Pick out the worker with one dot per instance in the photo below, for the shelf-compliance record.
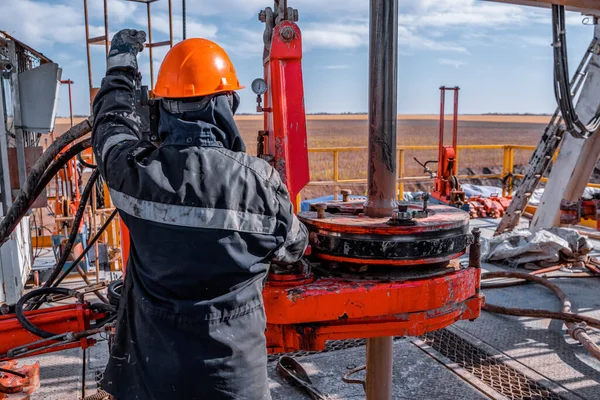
(205, 221)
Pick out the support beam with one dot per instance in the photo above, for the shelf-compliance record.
(18, 122)
(577, 157)
(582, 6)
(5, 189)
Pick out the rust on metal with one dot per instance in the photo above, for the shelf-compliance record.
(444, 218)
(328, 298)
(18, 383)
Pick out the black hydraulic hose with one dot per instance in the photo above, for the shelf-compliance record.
(21, 204)
(85, 163)
(57, 165)
(87, 249)
(562, 88)
(114, 292)
(26, 198)
(20, 313)
(15, 373)
(85, 196)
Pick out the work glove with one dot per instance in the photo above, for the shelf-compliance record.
(124, 48)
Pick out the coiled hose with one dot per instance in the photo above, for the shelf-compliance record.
(20, 313)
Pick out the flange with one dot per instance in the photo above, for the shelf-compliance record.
(356, 239)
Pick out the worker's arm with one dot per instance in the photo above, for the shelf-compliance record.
(296, 239)
(116, 124)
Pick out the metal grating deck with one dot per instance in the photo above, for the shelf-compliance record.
(497, 375)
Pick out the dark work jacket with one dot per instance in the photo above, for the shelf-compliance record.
(205, 222)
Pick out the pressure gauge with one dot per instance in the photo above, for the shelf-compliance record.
(259, 86)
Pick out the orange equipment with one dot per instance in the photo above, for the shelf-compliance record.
(196, 67)
(447, 187)
(18, 383)
(283, 142)
(74, 319)
(368, 276)
(373, 276)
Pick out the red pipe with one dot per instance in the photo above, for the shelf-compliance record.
(442, 121)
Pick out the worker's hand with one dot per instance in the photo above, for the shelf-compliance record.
(124, 48)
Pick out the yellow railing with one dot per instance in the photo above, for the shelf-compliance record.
(507, 165)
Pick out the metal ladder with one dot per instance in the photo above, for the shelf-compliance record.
(543, 154)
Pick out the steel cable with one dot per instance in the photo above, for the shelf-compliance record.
(562, 91)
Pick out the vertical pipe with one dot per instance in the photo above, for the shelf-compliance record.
(455, 123)
(107, 39)
(383, 119)
(401, 174)
(6, 190)
(183, 17)
(150, 47)
(17, 116)
(383, 109)
(87, 47)
(511, 169)
(379, 368)
(505, 169)
(171, 22)
(336, 173)
(442, 122)
(456, 161)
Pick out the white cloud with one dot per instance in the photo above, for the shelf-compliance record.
(452, 62)
(244, 43)
(536, 41)
(417, 41)
(336, 67)
(42, 24)
(336, 35)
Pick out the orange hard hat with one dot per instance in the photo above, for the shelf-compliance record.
(196, 67)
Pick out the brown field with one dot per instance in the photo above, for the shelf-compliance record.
(413, 130)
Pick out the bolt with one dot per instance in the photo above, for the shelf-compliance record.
(425, 200)
(288, 34)
(346, 195)
(402, 208)
(321, 208)
(262, 16)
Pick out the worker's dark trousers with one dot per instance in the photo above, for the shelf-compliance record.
(162, 355)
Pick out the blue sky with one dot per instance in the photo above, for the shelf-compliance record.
(499, 55)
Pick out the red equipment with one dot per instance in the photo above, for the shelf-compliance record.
(447, 187)
(283, 141)
(20, 382)
(488, 207)
(369, 277)
(366, 277)
(572, 212)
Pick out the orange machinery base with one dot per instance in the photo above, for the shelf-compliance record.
(304, 317)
